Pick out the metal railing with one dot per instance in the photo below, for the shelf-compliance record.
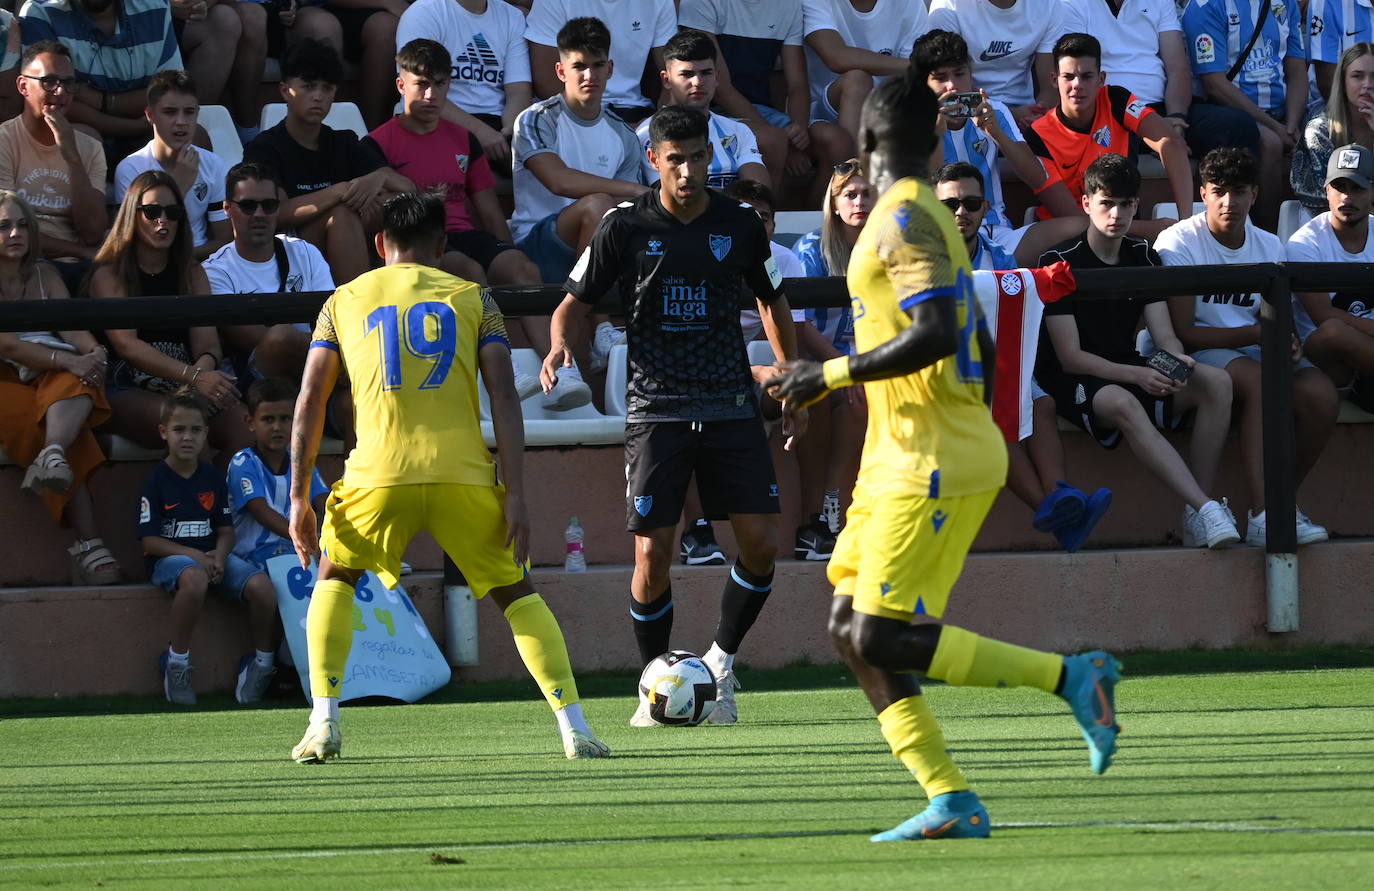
(1275, 282)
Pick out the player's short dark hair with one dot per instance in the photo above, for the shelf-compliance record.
(313, 60)
(173, 80)
(678, 123)
(900, 112)
(689, 45)
(938, 49)
(413, 219)
(269, 389)
(246, 170)
(587, 35)
(751, 191)
(1077, 45)
(952, 173)
(183, 398)
(1112, 175)
(1229, 166)
(425, 58)
(55, 47)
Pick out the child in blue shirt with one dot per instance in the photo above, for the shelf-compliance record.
(187, 534)
(260, 476)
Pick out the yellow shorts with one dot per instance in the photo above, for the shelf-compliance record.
(900, 553)
(370, 528)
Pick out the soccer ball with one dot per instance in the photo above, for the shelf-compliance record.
(678, 689)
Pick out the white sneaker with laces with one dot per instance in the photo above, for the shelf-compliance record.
(1214, 526)
(726, 711)
(584, 744)
(607, 336)
(570, 392)
(641, 716)
(1308, 532)
(526, 385)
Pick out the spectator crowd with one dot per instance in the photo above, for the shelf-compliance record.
(530, 119)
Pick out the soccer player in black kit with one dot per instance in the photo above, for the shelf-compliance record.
(683, 256)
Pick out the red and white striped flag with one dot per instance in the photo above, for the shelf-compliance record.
(1014, 303)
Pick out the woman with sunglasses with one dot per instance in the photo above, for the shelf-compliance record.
(148, 253)
(825, 252)
(51, 395)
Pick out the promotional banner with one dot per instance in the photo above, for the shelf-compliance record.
(393, 653)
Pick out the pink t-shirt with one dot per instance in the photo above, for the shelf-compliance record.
(448, 156)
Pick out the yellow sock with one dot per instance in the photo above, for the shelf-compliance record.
(541, 646)
(329, 635)
(917, 741)
(965, 659)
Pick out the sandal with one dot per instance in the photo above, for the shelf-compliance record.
(49, 470)
(93, 564)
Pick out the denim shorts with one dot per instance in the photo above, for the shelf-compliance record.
(772, 115)
(550, 253)
(237, 572)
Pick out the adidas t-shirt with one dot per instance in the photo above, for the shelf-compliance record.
(890, 28)
(1190, 243)
(488, 50)
(751, 35)
(733, 145)
(604, 146)
(1316, 242)
(636, 26)
(1003, 42)
(205, 200)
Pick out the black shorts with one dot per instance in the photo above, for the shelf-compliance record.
(351, 21)
(731, 460)
(1073, 399)
(479, 245)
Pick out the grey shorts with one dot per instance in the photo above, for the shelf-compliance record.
(1220, 357)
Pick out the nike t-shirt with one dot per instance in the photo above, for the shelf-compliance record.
(1003, 42)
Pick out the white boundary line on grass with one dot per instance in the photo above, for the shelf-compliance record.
(441, 848)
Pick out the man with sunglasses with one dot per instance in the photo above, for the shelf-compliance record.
(960, 187)
(259, 261)
(59, 170)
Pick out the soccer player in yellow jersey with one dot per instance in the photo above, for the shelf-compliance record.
(412, 339)
(932, 464)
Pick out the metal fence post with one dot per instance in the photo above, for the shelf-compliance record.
(1280, 455)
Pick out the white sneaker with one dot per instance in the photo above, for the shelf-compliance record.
(1308, 532)
(570, 392)
(641, 716)
(607, 336)
(526, 385)
(1214, 526)
(584, 744)
(726, 711)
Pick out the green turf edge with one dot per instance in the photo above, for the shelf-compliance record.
(800, 676)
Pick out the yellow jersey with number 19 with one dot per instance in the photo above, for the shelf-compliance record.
(408, 336)
(928, 430)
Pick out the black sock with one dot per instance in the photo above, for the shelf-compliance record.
(740, 604)
(653, 625)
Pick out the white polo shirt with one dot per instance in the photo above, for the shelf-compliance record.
(1130, 40)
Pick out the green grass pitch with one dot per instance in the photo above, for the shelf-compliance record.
(1250, 780)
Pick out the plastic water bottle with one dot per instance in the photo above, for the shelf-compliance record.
(576, 559)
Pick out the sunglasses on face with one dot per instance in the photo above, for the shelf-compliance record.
(173, 212)
(971, 203)
(250, 206)
(51, 82)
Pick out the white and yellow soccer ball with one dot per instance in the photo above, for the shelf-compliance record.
(678, 689)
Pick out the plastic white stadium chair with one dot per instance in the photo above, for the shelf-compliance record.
(790, 225)
(617, 376)
(224, 137)
(342, 116)
(1292, 217)
(583, 425)
(1169, 210)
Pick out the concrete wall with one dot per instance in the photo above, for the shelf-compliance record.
(75, 641)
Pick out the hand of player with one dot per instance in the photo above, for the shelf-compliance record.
(560, 357)
(795, 420)
(517, 527)
(798, 135)
(492, 142)
(799, 382)
(305, 533)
